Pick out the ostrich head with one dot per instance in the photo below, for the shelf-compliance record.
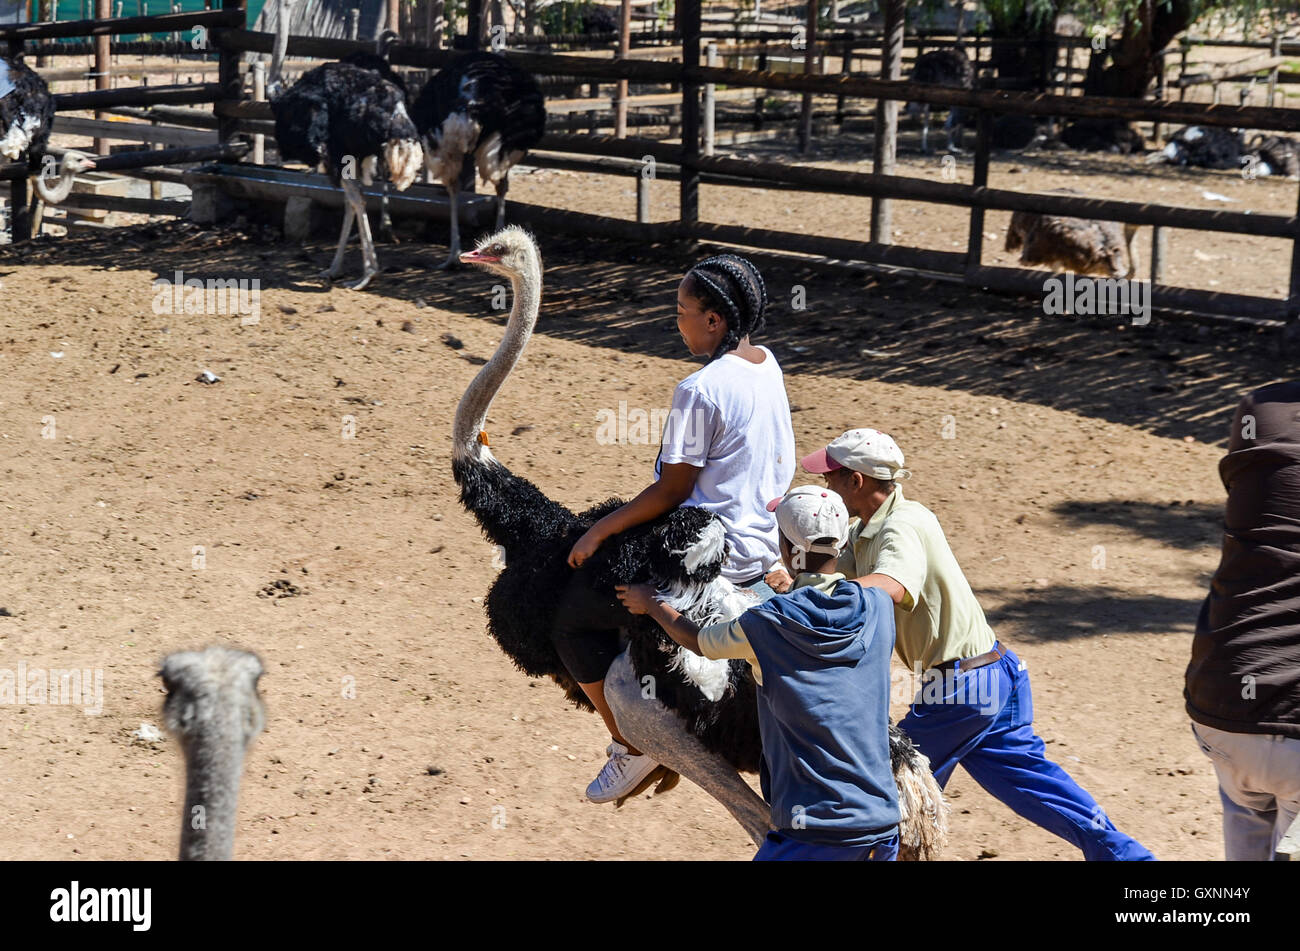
(511, 252)
(72, 165)
(214, 711)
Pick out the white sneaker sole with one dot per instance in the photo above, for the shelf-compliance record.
(627, 787)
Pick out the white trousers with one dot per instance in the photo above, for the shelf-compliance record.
(1259, 784)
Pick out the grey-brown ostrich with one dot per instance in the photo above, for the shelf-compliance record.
(215, 712)
(1081, 245)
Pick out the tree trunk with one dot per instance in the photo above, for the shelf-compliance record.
(1128, 68)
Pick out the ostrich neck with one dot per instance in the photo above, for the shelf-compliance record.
(53, 194)
(472, 412)
(213, 765)
(279, 50)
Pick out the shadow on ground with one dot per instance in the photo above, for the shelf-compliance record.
(1171, 378)
(1061, 613)
(1187, 525)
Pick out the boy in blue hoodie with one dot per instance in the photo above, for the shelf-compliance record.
(820, 657)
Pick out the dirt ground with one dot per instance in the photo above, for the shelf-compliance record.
(1078, 488)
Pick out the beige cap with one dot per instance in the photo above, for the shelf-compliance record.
(810, 512)
(868, 451)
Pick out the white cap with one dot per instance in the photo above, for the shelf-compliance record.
(868, 451)
(810, 512)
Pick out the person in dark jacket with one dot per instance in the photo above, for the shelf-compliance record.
(1243, 682)
(820, 657)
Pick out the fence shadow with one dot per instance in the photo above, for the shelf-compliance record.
(1171, 377)
(1185, 525)
(1060, 613)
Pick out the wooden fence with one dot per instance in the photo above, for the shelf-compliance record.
(235, 116)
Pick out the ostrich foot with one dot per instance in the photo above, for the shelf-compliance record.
(451, 264)
(366, 277)
(661, 777)
(329, 274)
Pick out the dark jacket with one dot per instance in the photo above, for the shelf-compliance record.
(1244, 676)
(823, 711)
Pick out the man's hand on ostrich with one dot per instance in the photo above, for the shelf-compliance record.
(779, 580)
(637, 598)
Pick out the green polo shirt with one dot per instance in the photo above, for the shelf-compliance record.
(938, 619)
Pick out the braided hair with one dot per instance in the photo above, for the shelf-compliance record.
(732, 287)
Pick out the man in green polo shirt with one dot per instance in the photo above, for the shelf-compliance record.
(974, 706)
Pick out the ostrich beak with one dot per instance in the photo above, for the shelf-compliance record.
(478, 257)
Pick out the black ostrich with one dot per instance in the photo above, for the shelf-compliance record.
(1275, 155)
(946, 67)
(1205, 146)
(1103, 135)
(482, 106)
(26, 118)
(347, 119)
(702, 720)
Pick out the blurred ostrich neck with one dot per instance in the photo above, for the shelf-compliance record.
(471, 414)
(280, 49)
(52, 195)
(214, 761)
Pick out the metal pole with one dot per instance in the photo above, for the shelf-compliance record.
(259, 95)
(710, 59)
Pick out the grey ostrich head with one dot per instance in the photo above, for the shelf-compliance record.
(214, 710)
(511, 252)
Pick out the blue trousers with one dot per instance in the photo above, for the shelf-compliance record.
(983, 719)
(781, 848)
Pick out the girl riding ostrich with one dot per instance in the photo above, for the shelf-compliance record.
(702, 721)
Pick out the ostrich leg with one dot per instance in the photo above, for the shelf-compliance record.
(369, 259)
(501, 201)
(336, 266)
(660, 733)
(453, 256)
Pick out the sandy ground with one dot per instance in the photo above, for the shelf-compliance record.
(1079, 491)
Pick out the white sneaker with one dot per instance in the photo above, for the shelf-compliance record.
(620, 775)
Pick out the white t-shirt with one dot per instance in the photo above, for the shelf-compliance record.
(732, 419)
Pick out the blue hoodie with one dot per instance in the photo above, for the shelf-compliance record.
(823, 710)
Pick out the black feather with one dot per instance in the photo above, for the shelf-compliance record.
(337, 112)
(27, 98)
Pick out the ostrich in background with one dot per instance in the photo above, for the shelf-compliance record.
(702, 720)
(946, 67)
(1205, 146)
(26, 119)
(214, 711)
(482, 106)
(347, 120)
(1274, 155)
(1081, 245)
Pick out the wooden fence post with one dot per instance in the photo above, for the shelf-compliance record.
(624, 45)
(1159, 252)
(1272, 73)
(809, 66)
(1156, 127)
(688, 12)
(103, 76)
(232, 84)
(758, 99)
(846, 69)
(975, 241)
(885, 144)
